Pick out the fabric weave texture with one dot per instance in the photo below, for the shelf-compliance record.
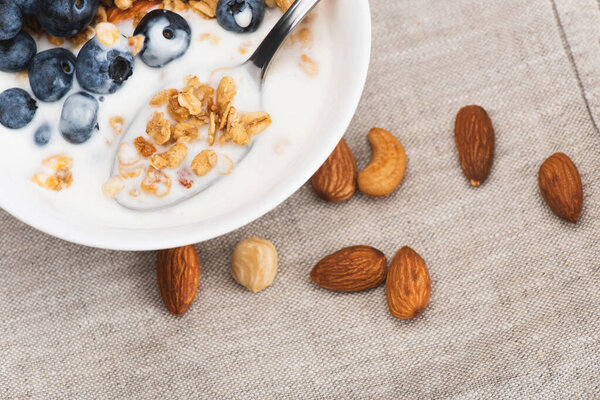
(515, 304)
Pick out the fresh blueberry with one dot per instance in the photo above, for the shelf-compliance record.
(103, 69)
(16, 53)
(166, 37)
(17, 108)
(65, 17)
(26, 6)
(51, 74)
(11, 20)
(42, 135)
(240, 15)
(79, 117)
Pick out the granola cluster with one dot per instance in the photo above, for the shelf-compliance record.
(55, 173)
(197, 106)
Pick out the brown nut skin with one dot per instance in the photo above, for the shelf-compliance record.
(408, 287)
(387, 167)
(351, 269)
(178, 273)
(335, 181)
(475, 138)
(560, 186)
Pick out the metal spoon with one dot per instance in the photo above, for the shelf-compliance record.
(256, 69)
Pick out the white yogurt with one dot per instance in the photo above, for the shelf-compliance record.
(244, 17)
(292, 98)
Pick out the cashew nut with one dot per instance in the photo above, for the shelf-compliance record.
(388, 164)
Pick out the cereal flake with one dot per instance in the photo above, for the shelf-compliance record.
(161, 98)
(184, 177)
(144, 147)
(156, 182)
(205, 8)
(256, 122)
(159, 129)
(116, 123)
(56, 174)
(308, 65)
(204, 162)
(171, 158)
(113, 186)
(226, 91)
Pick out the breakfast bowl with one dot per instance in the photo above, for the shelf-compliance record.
(310, 94)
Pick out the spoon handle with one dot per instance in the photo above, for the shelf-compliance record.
(268, 48)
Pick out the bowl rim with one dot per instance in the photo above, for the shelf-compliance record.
(146, 239)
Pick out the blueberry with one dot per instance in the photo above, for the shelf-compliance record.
(51, 74)
(26, 6)
(11, 20)
(16, 53)
(65, 17)
(17, 108)
(166, 37)
(42, 134)
(103, 69)
(79, 117)
(240, 15)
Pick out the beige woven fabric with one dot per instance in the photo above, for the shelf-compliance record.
(515, 305)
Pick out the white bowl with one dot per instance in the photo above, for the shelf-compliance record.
(351, 24)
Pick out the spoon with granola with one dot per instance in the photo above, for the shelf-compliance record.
(195, 135)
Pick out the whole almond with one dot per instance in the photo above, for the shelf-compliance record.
(386, 169)
(335, 181)
(560, 185)
(351, 269)
(407, 287)
(178, 272)
(474, 136)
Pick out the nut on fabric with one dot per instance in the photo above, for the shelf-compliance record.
(254, 264)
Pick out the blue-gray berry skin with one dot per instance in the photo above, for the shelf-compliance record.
(17, 108)
(16, 53)
(42, 134)
(167, 37)
(26, 6)
(51, 74)
(79, 118)
(11, 20)
(102, 69)
(65, 18)
(227, 10)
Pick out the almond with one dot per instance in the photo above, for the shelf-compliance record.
(351, 269)
(178, 272)
(560, 185)
(335, 181)
(474, 136)
(408, 287)
(386, 169)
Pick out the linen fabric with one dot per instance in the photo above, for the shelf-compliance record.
(515, 303)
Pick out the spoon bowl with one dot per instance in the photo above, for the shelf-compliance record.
(248, 77)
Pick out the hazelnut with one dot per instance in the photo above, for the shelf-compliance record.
(254, 264)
